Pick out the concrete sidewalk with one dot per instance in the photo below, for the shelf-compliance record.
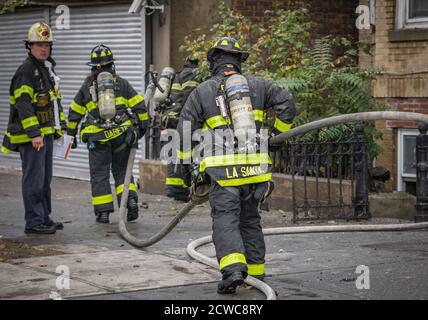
(104, 266)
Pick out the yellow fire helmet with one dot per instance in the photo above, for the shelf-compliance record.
(39, 32)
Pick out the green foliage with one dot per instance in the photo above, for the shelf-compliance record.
(229, 24)
(10, 5)
(323, 76)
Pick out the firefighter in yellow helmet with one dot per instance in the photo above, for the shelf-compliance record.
(229, 110)
(35, 120)
(116, 118)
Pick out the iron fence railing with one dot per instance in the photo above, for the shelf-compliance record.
(329, 178)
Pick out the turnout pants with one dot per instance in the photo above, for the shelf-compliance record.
(237, 232)
(36, 182)
(102, 157)
(178, 180)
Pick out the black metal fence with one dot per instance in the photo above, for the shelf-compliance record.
(329, 178)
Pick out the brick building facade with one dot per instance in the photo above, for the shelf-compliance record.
(402, 52)
(336, 17)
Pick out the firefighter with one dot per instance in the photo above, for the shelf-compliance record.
(234, 107)
(178, 175)
(116, 119)
(35, 120)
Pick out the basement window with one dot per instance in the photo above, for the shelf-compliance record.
(407, 160)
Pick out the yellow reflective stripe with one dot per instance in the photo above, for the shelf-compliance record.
(91, 129)
(47, 130)
(121, 100)
(29, 122)
(23, 89)
(108, 198)
(94, 55)
(5, 150)
(135, 100)
(242, 181)
(119, 188)
(72, 125)
(183, 155)
(232, 259)
(282, 126)
(91, 105)
(224, 43)
(12, 100)
(103, 54)
(176, 182)
(61, 116)
(94, 129)
(190, 84)
(256, 269)
(217, 121)
(23, 138)
(176, 86)
(143, 116)
(16, 139)
(258, 115)
(78, 108)
(235, 159)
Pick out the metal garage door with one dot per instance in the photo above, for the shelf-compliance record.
(89, 26)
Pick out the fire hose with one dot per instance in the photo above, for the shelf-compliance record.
(263, 287)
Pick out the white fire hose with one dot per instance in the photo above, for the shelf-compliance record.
(263, 287)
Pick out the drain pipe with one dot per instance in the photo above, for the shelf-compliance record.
(364, 116)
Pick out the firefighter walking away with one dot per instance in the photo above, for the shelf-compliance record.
(236, 168)
(177, 182)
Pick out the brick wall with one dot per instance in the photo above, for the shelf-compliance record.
(403, 86)
(336, 17)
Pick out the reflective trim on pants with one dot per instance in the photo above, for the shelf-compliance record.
(232, 259)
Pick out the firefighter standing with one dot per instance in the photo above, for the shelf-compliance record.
(178, 175)
(116, 119)
(35, 120)
(240, 180)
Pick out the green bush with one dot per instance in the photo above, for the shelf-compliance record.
(322, 74)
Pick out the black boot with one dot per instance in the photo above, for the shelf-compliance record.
(57, 225)
(132, 209)
(103, 217)
(41, 229)
(228, 285)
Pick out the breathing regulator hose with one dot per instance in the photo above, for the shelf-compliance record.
(263, 287)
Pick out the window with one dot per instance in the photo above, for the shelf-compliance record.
(406, 159)
(418, 9)
(412, 14)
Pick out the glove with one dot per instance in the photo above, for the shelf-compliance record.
(141, 132)
(199, 189)
(263, 191)
(131, 137)
(74, 145)
(273, 147)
